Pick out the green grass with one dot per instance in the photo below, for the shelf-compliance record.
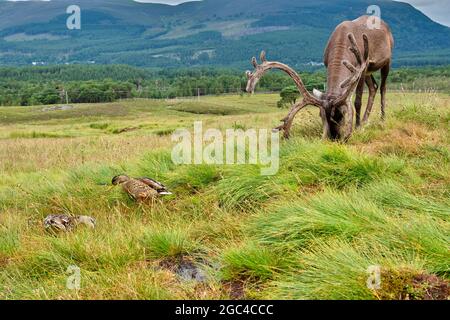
(337, 270)
(194, 178)
(162, 244)
(245, 188)
(9, 239)
(336, 166)
(309, 232)
(251, 262)
(423, 110)
(35, 135)
(99, 126)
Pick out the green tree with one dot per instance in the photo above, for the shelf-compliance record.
(289, 95)
(47, 96)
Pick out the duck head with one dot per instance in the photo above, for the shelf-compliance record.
(86, 220)
(120, 179)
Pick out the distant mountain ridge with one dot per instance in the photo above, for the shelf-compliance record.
(206, 33)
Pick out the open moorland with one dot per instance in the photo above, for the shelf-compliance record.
(311, 231)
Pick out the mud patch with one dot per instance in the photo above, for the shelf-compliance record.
(434, 288)
(235, 289)
(185, 268)
(408, 285)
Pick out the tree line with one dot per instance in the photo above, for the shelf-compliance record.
(25, 86)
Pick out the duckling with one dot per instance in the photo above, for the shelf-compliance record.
(141, 189)
(65, 223)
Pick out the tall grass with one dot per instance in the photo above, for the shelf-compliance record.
(338, 270)
(251, 261)
(245, 188)
(308, 232)
(335, 165)
(160, 244)
(354, 216)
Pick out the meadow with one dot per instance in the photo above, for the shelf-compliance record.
(310, 232)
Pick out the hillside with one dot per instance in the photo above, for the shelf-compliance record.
(312, 231)
(211, 32)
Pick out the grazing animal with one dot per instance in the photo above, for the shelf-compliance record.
(141, 189)
(64, 223)
(354, 52)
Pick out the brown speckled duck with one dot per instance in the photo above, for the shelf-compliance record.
(64, 223)
(141, 189)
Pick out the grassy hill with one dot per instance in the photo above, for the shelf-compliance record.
(210, 32)
(311, 231)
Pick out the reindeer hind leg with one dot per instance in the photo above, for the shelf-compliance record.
(373, 87)
(384, 75)
(358, 101)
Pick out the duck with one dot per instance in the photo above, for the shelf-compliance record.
(66, 223)
(141, 189)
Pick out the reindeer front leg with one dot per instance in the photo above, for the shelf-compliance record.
(326, 125)
(348, 118)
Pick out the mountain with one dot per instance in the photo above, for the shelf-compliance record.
(209, 32)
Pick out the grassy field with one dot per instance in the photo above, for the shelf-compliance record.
(309, 232)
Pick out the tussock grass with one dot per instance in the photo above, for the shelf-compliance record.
(308, 232)
(155, 164)
(251, 261)
(160, 244)
(46, 254)
(9, 240)
(100, 125)
(353, 216)
(335, 165)
(245, 188)
(326, 215)
(194, 178)
(338, 270)
(392, 196)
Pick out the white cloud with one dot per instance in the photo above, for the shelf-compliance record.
(438, 10)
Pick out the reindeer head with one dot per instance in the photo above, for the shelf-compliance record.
(339, 110)
(335, 111)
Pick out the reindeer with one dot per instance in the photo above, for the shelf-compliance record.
(354, 52)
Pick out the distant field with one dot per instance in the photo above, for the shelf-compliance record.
(309, 232)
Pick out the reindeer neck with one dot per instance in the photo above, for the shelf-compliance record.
(336, 52)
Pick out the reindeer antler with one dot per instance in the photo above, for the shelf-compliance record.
(260, 69)
(262, 56)
(256, 66)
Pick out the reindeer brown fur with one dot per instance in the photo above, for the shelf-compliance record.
(349, 68)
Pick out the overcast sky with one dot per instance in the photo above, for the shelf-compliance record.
(438, 10)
